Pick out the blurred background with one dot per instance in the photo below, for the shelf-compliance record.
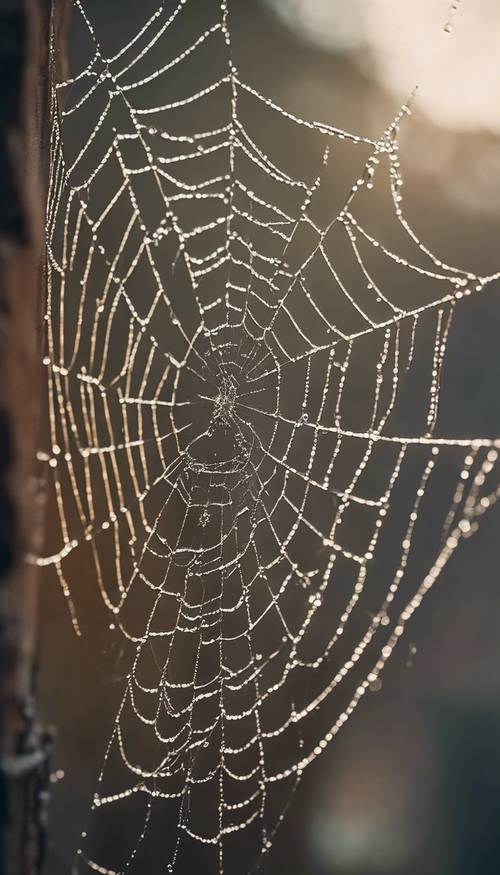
(410, 786)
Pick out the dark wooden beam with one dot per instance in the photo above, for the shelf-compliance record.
(25, 27)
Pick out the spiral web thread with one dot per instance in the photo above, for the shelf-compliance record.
(205, 332)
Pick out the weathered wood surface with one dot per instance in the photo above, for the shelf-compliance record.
(25, 27)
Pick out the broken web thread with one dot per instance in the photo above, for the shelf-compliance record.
(259, 540)
(452, 14)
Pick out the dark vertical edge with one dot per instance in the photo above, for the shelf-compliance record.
(25, 71)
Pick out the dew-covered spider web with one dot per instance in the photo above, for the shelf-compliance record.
(247, 452)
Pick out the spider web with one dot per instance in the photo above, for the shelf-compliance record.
(245, 433)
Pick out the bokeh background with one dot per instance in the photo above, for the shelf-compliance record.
(410, 787)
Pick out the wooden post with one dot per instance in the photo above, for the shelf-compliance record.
(25, 27)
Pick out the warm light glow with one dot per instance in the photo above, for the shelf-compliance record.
(407, 44)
